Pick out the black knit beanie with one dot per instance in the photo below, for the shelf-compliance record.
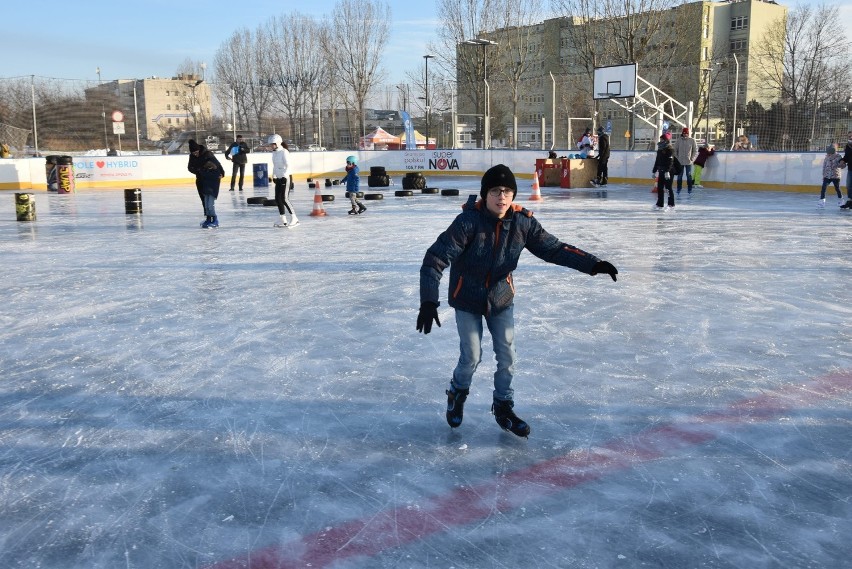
(193, 146)
(498, 175)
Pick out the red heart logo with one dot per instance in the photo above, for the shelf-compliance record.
(100, 164)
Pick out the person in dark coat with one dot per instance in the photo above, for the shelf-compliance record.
(482, 247)
(237, 153)
(603, 158)
(208, 175)
(194, 166)
(664, 169)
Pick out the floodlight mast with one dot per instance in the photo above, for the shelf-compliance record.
(486, 137)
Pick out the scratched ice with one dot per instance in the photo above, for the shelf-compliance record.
(258, 397)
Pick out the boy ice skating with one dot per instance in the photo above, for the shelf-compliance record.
(831, 166)
(481, 247)
(352, 180)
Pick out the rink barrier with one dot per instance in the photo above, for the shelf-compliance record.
(133, 200)
(25, 208)
(773, 171)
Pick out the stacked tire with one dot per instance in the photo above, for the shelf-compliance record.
(414, 181)
(378, 177)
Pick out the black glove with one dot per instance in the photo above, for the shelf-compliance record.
(605, 267)
(428, 313)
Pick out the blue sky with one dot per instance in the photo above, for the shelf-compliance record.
(143, 39)
(152, 38)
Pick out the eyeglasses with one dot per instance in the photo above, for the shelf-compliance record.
(506, 192)
(348, 162)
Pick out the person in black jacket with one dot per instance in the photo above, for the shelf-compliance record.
(603, 158)
(664, 169)
(194, 166)
(237, 153)
(847, 161)
(482, 247)
(208, 175)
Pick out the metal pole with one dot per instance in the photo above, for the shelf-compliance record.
(707, 110)
(35, 125)
(736, 92)
(553, 113)
(486, 122)
(428, 108)
(136, 114)
(234, 111)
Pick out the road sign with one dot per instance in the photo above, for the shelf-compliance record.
(117, 116)
(118, 128)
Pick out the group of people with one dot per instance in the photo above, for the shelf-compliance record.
(209, 173)
(678, 159)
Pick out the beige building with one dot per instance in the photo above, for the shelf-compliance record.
(166, 107)
(688, 52)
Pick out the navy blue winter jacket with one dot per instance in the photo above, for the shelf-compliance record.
(482, 251)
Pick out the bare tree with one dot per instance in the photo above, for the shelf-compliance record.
(297, 65)
(357, 35)
(812, 69)
(520, 50)
(241, 63)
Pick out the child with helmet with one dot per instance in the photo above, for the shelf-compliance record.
(352, 180)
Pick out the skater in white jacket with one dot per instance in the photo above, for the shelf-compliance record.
(281, 178)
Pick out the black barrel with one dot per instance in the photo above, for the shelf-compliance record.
(133, 200)
(25, 207)
(50, 171)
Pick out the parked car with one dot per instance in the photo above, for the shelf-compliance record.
(316, 148)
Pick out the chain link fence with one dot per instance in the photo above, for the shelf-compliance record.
(41, 116)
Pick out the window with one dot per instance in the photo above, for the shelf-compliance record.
(739, 46)
(739, 23)
(168, 107)
(705, 53)
(167, 93)
(169, 121)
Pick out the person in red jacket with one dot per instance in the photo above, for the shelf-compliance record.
(482, 247)
(705, 152)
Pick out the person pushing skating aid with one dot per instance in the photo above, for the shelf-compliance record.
(481, 247)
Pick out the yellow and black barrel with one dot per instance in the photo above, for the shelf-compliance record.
(25, 207)
(65, 175)
(133, 200)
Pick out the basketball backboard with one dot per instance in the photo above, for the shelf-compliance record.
(615, 81)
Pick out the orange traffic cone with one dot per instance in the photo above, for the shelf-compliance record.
(318, 209)
(536, 191)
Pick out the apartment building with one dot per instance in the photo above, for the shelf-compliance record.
(165, 107)
(699, 53)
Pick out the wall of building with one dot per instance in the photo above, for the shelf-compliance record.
(800, 172)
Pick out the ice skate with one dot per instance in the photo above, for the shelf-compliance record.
(212, 223)
(282, 222)
(455, 405)
(821, 203)
(353, 211)
(507, 419)
(361, 208)
(294, 221)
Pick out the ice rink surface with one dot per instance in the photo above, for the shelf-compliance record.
(174, 397)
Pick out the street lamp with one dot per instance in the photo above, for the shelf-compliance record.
(427, 58)
(193, 86)
(486, 137)
(736, 92)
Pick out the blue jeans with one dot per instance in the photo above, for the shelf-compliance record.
(502, 328)
(849, 182)
(688, 168)
(209, 205)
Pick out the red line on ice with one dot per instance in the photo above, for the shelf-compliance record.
(399, 526)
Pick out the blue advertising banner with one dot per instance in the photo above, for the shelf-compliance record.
(408, 127)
